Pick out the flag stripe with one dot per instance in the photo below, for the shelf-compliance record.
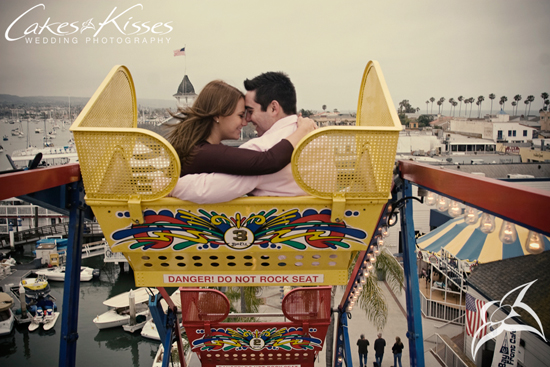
(474, 319)
(180, 52)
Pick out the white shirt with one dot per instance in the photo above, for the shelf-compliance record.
(206, 188)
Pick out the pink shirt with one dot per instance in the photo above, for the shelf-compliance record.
(206, 188)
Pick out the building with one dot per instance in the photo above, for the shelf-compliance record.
(544, 120)
(186, 93)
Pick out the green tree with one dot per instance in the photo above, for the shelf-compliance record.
(442, 99)
(514, 104)
(432, 99)
(502, 102)
(471, 100)
(427, 103)
(544, 97)
(517, 98)
(455, 103)
(424, 120)
(530, 98)
(306, 113)
(526, 103)
(324, 107)
(480, 99)
(404, 119)
(492, 97)
(546, 103)
(460, 99)
(451, 100)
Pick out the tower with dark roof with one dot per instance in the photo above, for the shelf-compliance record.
(186, 93)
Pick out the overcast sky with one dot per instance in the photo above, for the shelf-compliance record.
(439, 48)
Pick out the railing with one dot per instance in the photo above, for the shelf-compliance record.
(445, 354)
(437, 310)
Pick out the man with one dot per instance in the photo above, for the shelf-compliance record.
(379, 345)
(362, 345)
(271, 106)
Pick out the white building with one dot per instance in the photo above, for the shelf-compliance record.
(498, 129)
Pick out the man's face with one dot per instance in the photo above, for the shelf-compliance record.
(263, 120)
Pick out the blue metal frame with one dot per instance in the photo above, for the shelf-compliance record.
(412, 290)
(71, 292)
(165, 323)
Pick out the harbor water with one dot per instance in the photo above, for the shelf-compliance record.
(108, 347)
(63, 135)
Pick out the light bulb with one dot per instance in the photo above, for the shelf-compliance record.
(455, 210)
(470, 215)
(392, 220)
(340, 358)
(384, 232)
(442, 203)
(380, 241)
(373, 259)
(369, 267)
(362, 280)
(508, 233)
(430, 199)
(534, 243)
(487, 223)
(375, 250)
(365, 273)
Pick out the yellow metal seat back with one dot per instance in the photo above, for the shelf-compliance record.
(307, 240)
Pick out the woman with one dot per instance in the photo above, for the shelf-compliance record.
(218, 114)
(397, 349)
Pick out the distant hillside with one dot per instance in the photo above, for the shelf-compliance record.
(9, 99)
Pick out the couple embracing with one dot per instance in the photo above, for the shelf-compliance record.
(212, 172)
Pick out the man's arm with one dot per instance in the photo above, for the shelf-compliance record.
(208, 188)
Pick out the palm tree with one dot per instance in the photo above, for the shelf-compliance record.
(439, 104)
(480, 99)
(324, 107)
(514, 104)
(371, 300)
(454, 105)
(546, 103)
(442, 99)
(544, 97)
(427, 103)
(451, 100)
(517, 98)
(491, 97)
(503, 100)
(460, 98)
(432, 99)
(530, 98)
(471, 100)
(526, 103)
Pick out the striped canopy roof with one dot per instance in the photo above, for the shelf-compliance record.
(467, 242)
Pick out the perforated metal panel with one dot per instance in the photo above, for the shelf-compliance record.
(308, 304)
(118, 160)
(375, 107)
(352, 161)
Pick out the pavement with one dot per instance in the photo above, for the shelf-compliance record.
(358, 324)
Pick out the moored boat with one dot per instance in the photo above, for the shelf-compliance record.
(40, 303)
(57, 273)
(6, 315)
(119, 312)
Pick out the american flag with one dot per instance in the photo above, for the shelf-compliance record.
(180, 52)
(474, 319)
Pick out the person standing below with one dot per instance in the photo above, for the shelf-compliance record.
(379, 346)
(362, 345)
(397, 349)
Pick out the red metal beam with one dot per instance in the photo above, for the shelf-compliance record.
(27, 182)
(525, 206)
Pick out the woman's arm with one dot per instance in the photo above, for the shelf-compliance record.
(305, 126)
(221, 158)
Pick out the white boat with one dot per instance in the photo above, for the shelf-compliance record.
(119, 312)
(40, 303)
(51, 156)
(175, 362)
(6, 315)
(150, 330)
(57, 273)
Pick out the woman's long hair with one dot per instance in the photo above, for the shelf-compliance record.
(216, 99)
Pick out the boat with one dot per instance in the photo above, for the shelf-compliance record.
(5, 138)
(57, 273)
(51, 156)
(40, 303)
(38, 130)
(6, 315)
(1, 149)
(119, 312)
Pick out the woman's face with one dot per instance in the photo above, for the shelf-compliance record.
(230, 126)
